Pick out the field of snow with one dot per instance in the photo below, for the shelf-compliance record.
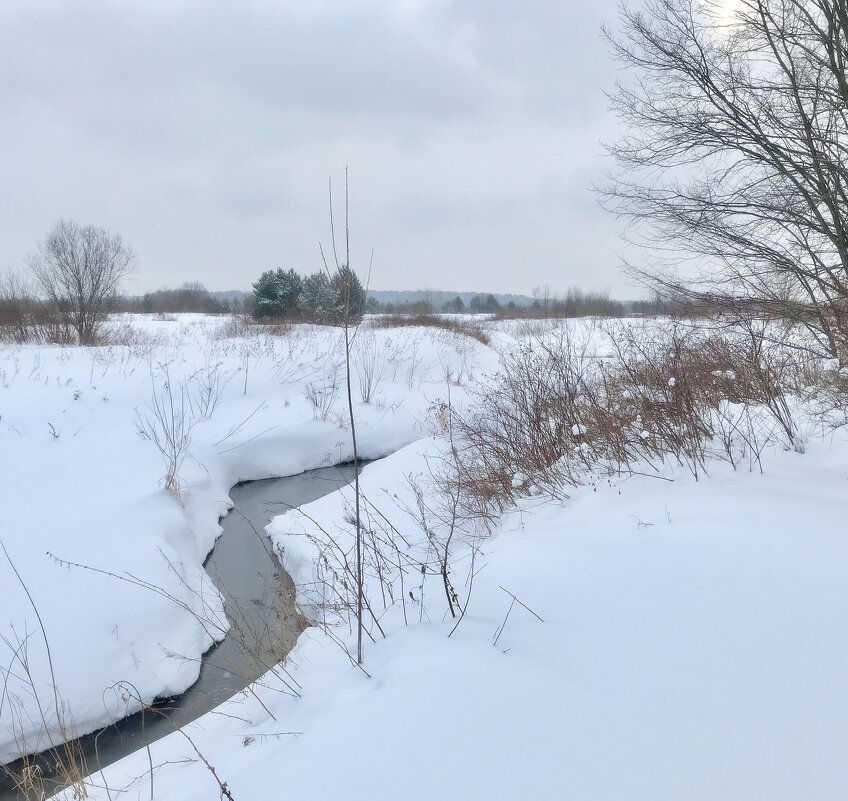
(693, 643)
(78, 484)
(643, 638)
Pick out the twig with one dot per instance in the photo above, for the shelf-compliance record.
(522, 604)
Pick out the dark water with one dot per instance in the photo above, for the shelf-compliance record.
(264, 625)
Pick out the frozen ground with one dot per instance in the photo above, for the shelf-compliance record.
(673, 638)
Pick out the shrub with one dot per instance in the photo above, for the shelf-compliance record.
(26, 318)
(457, 325)
(666, 394)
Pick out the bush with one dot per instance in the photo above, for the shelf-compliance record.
(667, 394)
(457, 325)
(26, 318)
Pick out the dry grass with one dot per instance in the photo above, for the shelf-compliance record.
(167, 422)
(667, 395)
(51, 727)
(244, 326)
(31, 321)
(39, 776)
(455, 324)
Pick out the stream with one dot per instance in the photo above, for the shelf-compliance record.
(264, 625)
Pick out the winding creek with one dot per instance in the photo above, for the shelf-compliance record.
(259, 601)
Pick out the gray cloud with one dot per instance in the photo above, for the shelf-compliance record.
(205, 134)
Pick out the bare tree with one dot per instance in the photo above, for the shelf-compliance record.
(735, 155)
(79, 268)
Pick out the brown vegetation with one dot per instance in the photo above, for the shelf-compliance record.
(663, 394)
(455, 324)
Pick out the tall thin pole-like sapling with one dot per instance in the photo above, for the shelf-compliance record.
(343, 272)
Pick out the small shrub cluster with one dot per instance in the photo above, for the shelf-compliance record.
(456, 325)
(242, 326)
(26, 318)
(418, 553)
(663, 395)
(174, 409)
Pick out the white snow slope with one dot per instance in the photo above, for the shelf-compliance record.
(693, 640)
(78, 484)
(694, 644)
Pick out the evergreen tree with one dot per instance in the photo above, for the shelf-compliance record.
(276, 294)
(349, 297)
(316, 300)
(481, 304)
(264, 302)
(289, 287)
(454, 306)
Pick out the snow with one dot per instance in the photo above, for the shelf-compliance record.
(693, 643)
(92, 492)
(646, 638)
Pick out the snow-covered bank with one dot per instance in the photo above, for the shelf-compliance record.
(640, 637)
(79, 484)
(693, 645)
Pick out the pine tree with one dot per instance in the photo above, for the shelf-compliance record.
(317, 300)
(276, 294)
(349, 297)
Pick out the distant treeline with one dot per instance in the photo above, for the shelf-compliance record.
(278, 300)
(190, 297)
(478, 304)
(437, 298)
(574, 303)
(279, 294)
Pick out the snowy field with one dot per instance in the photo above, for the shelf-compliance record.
(80, 485)
(694, 644)
(642, 638)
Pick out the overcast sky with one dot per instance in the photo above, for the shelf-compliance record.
(205, 133)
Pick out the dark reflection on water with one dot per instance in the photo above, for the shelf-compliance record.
(259, 602)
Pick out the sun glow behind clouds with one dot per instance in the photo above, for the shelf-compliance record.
(726, 11)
